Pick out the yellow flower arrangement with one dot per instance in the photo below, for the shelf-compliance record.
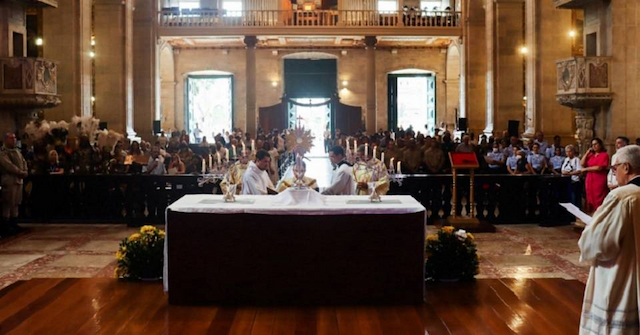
(432, 237)
(135, 237)
(141, 254)
(470, 236)
(448, 229)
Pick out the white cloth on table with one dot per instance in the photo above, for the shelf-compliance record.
(256, 181)
(610, 243)
(342, 181)
(294, 197)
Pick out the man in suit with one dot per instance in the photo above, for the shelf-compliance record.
(14, 169)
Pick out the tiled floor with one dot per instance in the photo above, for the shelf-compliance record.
(54, 251)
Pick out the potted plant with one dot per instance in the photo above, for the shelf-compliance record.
(141, 255)
(451, 255)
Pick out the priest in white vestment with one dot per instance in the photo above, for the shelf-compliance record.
(256, 179)
(610, 243)
(342, 181)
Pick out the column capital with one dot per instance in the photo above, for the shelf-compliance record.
(250, 41)
(370, 41)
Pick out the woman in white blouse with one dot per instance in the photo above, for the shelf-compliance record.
(571, 167)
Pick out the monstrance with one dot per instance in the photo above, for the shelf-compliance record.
(299, 142)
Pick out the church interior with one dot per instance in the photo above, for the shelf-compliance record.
(326, 166)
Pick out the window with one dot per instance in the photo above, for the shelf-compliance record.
(387, 5)
(431, 5)
(232, 7)
(210, 104)
(189, 4)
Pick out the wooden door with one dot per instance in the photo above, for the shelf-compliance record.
(272, 117)
(348, 118)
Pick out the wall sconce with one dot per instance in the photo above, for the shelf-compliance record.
(274, 52)
(394, 51)
(343, 52)
(308, 6)
(345, 83)
(93, 99)
(274, 83)
(524, 50)
(93, 40)
(524, 98)
(39, 41)
(92, 54)
(572, 33)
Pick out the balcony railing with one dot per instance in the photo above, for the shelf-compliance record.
(201, 18)
(28, 82)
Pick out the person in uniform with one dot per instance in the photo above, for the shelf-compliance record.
(370, 169)
(234, 175)
(14, 169)
(342, 179)
(537, 160)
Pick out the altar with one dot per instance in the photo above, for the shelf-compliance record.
(345, 251)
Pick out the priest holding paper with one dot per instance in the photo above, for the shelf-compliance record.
(611, 243)
(256, 179)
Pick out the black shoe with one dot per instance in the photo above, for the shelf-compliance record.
(14, 227)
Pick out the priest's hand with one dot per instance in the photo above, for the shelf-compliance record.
(363, 186)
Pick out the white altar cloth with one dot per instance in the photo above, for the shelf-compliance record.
(263, 204)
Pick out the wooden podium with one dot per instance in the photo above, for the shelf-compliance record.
(466, 160)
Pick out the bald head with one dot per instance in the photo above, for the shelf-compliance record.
(10, 140)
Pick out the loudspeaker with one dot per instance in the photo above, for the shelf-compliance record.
(462, 124)
(102, 125)
(156, 127)
(514, 127)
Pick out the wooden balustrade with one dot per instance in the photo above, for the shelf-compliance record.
(315, 18)
(143, 198)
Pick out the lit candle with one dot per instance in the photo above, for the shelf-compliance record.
(218, 157)
(366, 150)
(235, 153)
(398, 170)
(244, 149)
(347, 146)
(210, 161)
(391, 163)
(204, 167)
(355, 145)
(253, 145)
(226, 155)
(375, 150)
(382, 157)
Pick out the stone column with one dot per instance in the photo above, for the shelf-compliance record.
(585, 128)
(250, 42)
(144, 67)
(114, 64)
(370, 42)
(68, 41)
(489, 79)
(531, 59)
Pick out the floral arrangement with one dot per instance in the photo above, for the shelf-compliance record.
(451, 254)
(141, 255)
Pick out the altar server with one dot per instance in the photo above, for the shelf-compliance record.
(369, 169)
(342, 182)
(256, 179)
(611, 244)
(235, 174)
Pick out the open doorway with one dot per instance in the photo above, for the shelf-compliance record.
(315, 115)
(209, 104)
(412, 102)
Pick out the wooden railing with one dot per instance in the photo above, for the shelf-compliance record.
(141, 199)
(299, 18)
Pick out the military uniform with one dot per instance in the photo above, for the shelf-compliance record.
(13, 167)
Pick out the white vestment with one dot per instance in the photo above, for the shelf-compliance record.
(610, 244)
(342, 182)
(256, 181)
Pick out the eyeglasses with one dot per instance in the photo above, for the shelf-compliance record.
(614, 167)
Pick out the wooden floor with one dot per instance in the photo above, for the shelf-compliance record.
(108, 306)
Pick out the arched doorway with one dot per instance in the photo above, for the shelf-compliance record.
(412, 100)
